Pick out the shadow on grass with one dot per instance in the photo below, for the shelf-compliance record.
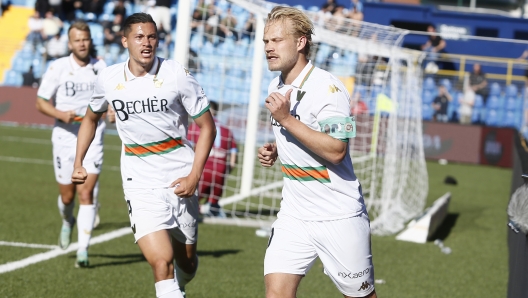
(123, 259)
(218, 253)
(113, 225)
(445, 228)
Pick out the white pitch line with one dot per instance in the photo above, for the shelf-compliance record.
(42, 161)
(11, 266)
(28, 245)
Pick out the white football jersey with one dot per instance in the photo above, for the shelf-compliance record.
(71, 86)
(151, 119)
(314, 188)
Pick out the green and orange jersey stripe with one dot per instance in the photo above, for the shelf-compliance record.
(294, 172)
(77, 119)
(160, 147)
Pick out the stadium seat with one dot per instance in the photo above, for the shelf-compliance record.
(511, 90)
(428, 97)
(362, 91)
(492, 118)
(479, 101)
(446, 83)
(512, 119)
(495, 89)
(313, 8)
(429, 84)
(513, 103)
(494, 102)
(21, 65)
(427, 112)
(13, 78)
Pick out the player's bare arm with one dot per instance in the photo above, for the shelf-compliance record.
(84, 139)
(186, 186)
(46, 108)
(267, 154)
(325, 146)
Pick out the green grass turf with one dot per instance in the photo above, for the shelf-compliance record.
(231, 258)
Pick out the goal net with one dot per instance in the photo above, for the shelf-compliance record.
(384, 81)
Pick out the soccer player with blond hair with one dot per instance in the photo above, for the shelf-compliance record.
(69, 81)
(152, 99)
(322, 212)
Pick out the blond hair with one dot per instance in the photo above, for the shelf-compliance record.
(81, 26)
(301, 25)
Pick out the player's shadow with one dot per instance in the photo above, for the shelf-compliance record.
(445, 228)
(217, 253)
(122, 259)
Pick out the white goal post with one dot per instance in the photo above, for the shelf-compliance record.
(387, 152)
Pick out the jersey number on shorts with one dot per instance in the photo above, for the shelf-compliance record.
(130, 214)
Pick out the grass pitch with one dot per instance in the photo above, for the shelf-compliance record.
(231, 258)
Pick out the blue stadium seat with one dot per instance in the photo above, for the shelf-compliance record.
(513, 103)
(446, 83)
(427, 112)
(495, 89)
(492, 118)
(13, 78)
(479, 101)
(511, 90)
(494, 102)
(428, 97)
(429, 84)
(21, 65)
(512, 119)
(362, 90)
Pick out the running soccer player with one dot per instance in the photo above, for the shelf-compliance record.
(70, 81)
(322, 212)
(152, 99)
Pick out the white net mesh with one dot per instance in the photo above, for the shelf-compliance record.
(384, 80)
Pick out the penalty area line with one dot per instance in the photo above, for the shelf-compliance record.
(28, 245)
(11, 266)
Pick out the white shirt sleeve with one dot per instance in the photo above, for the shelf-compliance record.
(50, 82)
(336, 103)
(98, 102)
(192, 94)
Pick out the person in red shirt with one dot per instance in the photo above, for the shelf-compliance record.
(221, 162)
(357, 106)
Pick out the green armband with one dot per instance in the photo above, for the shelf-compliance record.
(339, 127)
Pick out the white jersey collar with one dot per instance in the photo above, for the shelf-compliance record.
(301, 78)
(152, 73)
(76, 66)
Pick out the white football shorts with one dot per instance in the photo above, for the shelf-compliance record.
(342, 245)
(64, 157)
(152, 210)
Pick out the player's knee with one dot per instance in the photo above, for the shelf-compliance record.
(162, 269)
(86, 197)
(67, 196)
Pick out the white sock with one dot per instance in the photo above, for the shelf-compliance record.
(66, 211)
(183, 277)
(168, 289)
(85, 220)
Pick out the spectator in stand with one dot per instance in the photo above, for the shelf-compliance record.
(357, 5)
(440, 104)
(337, 22)
(434, 45)
(228, 26)
(324, 14)
(165, 40)
(119, 8)
(68, 9)
(249, 27)
(162, 15)
(51, 25)
(93, 6)
(466, 103)
(56, 6)
(56, 47)
(29, 78)
(42, 6)
(198, 19)
(35, 29)
(221, 161)
(478, 82)
(113, 32)
(357, 106)
(357, 16)
(212, 23)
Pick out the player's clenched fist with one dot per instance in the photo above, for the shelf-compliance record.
(279, 105)
(79, 175)
(267, 154)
